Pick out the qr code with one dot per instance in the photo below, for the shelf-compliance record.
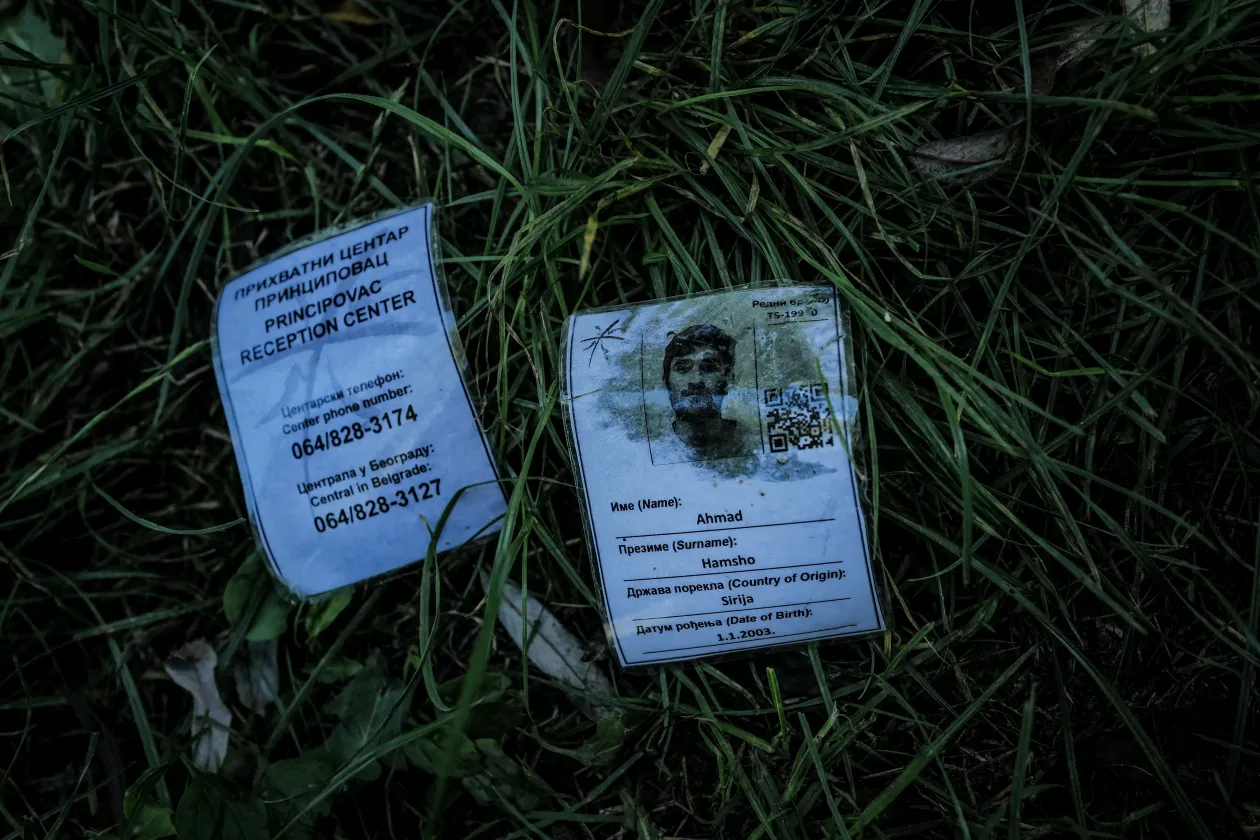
(798, 417)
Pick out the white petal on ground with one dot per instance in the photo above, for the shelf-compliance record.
(258, 675)
(192, 669)
(553, 649)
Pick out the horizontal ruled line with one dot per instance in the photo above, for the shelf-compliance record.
(788, 321)
(735, 528)
(735, 571)
(732, 641)
(745, 609)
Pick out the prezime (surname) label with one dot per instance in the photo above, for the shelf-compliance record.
(351, 424)
(711, 439)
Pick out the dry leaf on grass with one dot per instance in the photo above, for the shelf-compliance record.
(1079, 39)
(1044, 69)
(192, 669)
(978, 157)
(553, 649)
(964, 159)
(351, 12)
(719, 140)
(1150, 16)
(258, 675)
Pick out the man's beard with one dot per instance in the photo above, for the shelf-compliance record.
(697, 404)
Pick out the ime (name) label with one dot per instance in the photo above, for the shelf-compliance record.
(339, 368)
(712, 439)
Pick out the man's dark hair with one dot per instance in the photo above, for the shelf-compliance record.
(695, 337)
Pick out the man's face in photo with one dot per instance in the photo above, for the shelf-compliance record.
(698, 382)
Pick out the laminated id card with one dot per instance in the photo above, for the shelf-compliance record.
(711, 439)
(341, 375)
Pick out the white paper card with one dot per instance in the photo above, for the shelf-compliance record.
(352, 427)
(711, 439)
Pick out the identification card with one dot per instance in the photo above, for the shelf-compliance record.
(341, 376)
(712, 442)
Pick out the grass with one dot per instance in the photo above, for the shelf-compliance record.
(1058, 387)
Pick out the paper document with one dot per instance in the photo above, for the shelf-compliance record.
(711, 437)
(340, 373)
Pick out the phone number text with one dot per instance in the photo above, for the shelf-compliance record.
(381, 505)
(351, 432)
